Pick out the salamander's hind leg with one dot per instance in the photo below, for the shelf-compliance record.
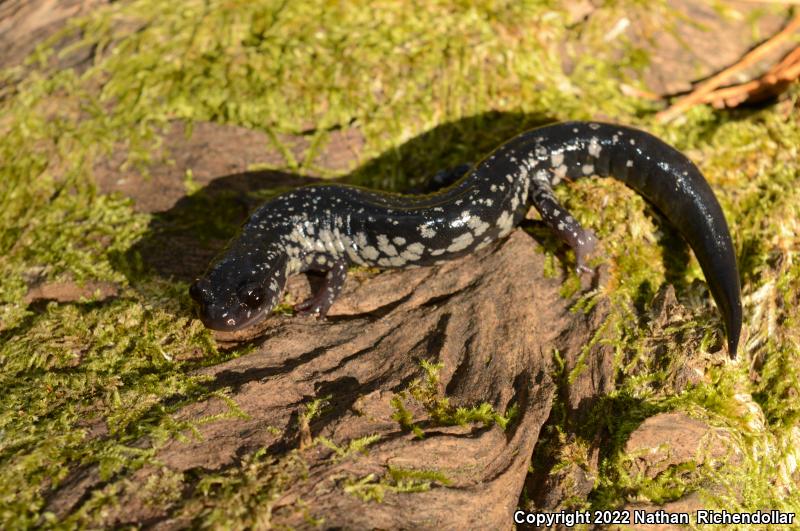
(580, 240)
(321, 302)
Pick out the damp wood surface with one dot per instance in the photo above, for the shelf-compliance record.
(137, 136)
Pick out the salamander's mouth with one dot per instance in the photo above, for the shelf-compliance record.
(226, 323)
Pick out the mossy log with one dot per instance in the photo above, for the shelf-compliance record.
(314, 390)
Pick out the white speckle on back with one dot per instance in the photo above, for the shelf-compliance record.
(408, 255)
(385, 247)
(354, 256)
(416, 248)
(426, 231)
(505, 223)
(477, 225)
(484, 243)
(594, 147)
(397, 261)
(587, 169)
(327, 240)
(460, 243)
(370, 252)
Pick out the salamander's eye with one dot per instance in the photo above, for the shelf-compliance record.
(252, 295)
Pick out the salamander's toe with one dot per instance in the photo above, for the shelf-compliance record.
(316, 306)
(584, 246)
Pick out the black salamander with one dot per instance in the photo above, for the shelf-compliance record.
(327, 228)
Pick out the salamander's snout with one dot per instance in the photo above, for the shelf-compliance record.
(207, 310)
(224, 309)
(200, 290)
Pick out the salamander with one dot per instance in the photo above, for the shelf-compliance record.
(330, 227)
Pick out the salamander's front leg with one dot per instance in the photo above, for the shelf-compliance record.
(580, 240)
(321, 302)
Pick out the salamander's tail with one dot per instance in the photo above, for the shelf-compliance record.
(660, 173)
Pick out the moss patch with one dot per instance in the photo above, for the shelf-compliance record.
(425, 392)
(397, 480)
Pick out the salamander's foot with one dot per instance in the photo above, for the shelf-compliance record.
(316, 306)
(581, 240)
(321, 302)
(584, 246)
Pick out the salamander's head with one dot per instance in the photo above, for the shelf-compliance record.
(241, 288)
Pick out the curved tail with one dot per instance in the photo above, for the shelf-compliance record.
(666, 178)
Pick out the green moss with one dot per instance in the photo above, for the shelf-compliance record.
(411, 480)
(163, 489)
(367, 488)
(670, 485)
(440, 411)
(404, 417)
(354, 446)
(315, 408)
(398, 480)
(244, 495)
